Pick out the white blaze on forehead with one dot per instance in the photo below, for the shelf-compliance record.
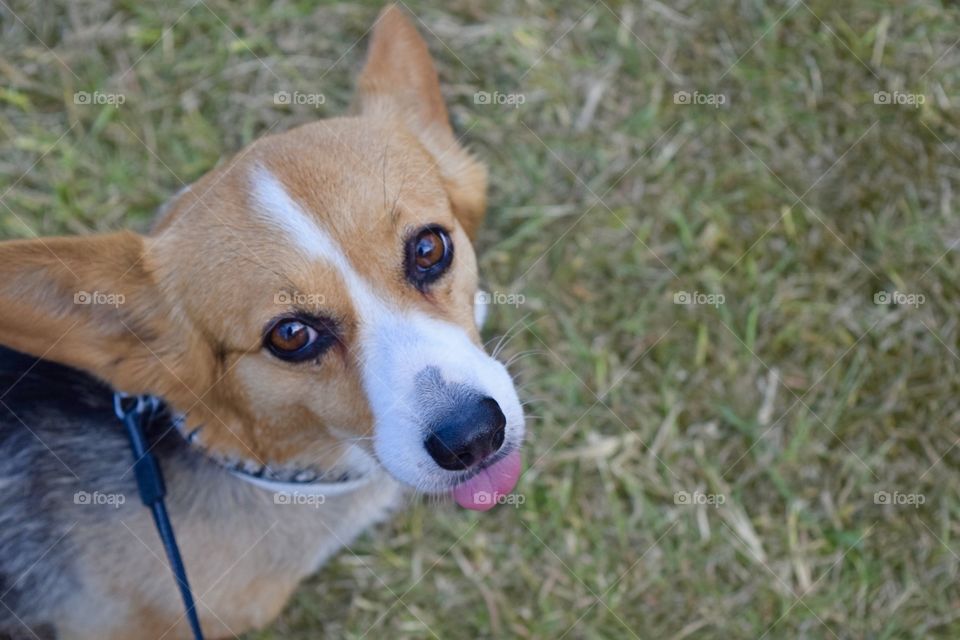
(273, 205)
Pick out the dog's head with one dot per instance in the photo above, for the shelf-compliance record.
(309, 304)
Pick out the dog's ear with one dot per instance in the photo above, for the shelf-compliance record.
(91, 303)
(399, 81)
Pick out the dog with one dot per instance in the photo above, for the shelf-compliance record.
(307, 312)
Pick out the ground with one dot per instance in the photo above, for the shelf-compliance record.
(723, 242)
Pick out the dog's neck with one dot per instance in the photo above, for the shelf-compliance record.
(282, 480)
(286, 481)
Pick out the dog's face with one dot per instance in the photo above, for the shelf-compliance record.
(309, 304)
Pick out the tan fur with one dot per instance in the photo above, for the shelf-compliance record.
(243, 564)
(200, 289)
(398, 75)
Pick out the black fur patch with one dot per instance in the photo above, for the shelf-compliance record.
(59, 439)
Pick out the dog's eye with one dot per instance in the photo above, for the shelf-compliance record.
(429, 254)
(429, 249)
(295, 340)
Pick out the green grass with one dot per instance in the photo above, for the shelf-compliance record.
(795, 400)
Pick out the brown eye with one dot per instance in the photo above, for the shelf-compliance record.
(429, 249)
(429, 254)
(289, 336)
(296, 340)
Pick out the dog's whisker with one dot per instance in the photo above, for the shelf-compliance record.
(523, 355)
(509, 335)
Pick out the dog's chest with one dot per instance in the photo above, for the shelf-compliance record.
(245, 552)
(277, 545)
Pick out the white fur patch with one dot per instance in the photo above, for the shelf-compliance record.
(481, 308)
(396, 351)
(275, 207)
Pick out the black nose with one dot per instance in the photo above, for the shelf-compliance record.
(468, 436)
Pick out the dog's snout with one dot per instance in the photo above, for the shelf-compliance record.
(468, 435)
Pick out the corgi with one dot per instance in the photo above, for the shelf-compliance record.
(307, 312)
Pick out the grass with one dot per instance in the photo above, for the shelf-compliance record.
(793, 402)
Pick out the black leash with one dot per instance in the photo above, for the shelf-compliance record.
(135, 412)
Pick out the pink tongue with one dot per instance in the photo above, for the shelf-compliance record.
(483, 491)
